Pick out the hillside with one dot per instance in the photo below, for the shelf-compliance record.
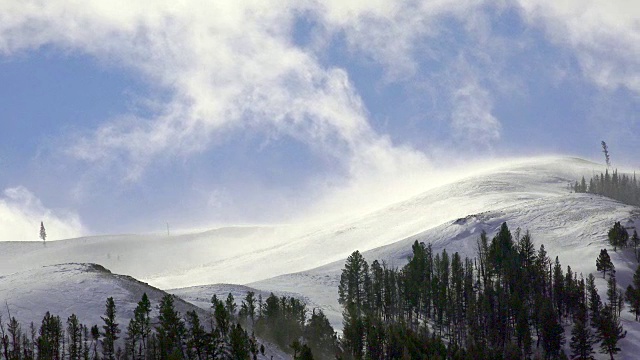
(82, 289)
(305, 260)
(74, 288)
(526, 190)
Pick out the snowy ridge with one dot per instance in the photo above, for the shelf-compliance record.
(305, 261)
(243, 255)
(75, 288)
(82, 289)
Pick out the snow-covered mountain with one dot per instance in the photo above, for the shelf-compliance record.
(531, 193)
(305, 260)
(83, 289)
(74, 288)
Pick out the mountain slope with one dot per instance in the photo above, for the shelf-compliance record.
(530, 189)
(75, 288)
(82, 289)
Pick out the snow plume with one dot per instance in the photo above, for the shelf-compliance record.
(21, 213)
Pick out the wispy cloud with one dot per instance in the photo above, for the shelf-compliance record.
(605, 36)
(227, 66)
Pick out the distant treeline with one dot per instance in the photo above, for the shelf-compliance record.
(510, 302)
(624, 188)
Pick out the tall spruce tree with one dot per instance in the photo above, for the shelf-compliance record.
(74, 331)
(618, 236)
(632, 295)
(582, 339)
(95, 340)
(552, 331)
(43, 232)
(141, 315)
(352, 293)
(110, 330)
(320, 336)
(635, 241)
(604, 263)
(610, 331)
(170, 329)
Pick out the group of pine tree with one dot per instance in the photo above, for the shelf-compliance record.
(509, 302)
(169, 336)
(622, 187)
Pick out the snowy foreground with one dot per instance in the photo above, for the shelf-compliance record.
(306, 260)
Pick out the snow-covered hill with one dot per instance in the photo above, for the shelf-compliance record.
(305, 260)
(527, 191)
(82, 289)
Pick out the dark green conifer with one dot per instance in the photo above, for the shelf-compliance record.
(610, 331)
(170, 329)
(110, 330)
(582, 339)
(603, 262)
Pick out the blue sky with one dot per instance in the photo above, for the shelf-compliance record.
(121, 117)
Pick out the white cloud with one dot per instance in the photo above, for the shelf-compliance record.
(228, 66)
(396, 34)
(21, 213)
(605, 36)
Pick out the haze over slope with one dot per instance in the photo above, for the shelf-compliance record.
(530, 193)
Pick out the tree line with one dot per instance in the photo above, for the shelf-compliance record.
(229, 333)
(509, 302)
(622, 187)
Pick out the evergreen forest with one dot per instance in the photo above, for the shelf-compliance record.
(622, 187)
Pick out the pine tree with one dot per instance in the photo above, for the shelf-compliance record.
(552, 331)
(582, 339)
(618, 236)
(612, 293)
(320, 336)
(110, 330)
(95, 338)
(239, 343)
(74, 330)
(221, 316)
(603, 262)
(50, 337)
(43, 232)
(635, 241)
(248, 307)
(141, 316)
(610, 331)
(170, 329)
(632, 295)
(132, 338)
(230, 305)
(605, 150)
(12, 338)
(352, 293)
(197, 341)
